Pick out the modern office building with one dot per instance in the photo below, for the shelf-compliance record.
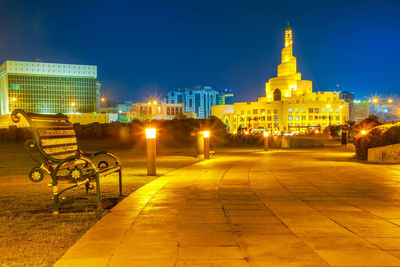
(48, 88)
(289, 104)
(200, 99)
(360, 110)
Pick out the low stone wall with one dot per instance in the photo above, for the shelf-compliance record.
(389, 154)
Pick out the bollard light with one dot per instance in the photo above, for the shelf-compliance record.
(363, 132)
(151, 151)
(206, 135)
(150, 133)
(266, 134)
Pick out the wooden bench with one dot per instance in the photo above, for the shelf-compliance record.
(54, 148)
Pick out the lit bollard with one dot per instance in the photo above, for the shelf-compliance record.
(206, 135)
(151, 151)
(266, 141)
(200, 144)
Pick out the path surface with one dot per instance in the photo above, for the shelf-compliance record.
(278, 208)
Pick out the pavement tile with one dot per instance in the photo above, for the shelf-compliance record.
(321, 231)
(375, 231)
(212, 263)
(337, 243)
(253, 219)
(386, 243)
(211, 253)
(358, 257)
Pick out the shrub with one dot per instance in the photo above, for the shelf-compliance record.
(382, 135)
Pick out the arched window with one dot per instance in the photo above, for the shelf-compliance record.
(277, 95)
(168, 111)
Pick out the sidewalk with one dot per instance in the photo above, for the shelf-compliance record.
(282, 208)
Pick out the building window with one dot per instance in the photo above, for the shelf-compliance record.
(248, 112)
(296, 110)
(262, 111)
(262, 118)
(337, 110)
(255, 111)
(316, 110)
(268, 111)
(290, 110)
(316, 118)
(303, 117)
(330, 110)
(190, 103)
(323, 111)
(277, 95)
(275, 111)
(310, 110)
(269, 118)
(297, 118)
(290, 118)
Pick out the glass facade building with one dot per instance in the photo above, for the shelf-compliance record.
(48, 88)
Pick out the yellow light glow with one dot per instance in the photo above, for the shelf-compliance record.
(266, 134)
(390, 100)
(341, 107)
(363, 132)
(234, 132)
(155, 102)
(150, 133)
(269, 96)
(246, 133)
(206, 134)
(148, 103)
(375, 100)
(316, 131)
(13, 99)
(103, 99)
(73, 104)
(328, 106)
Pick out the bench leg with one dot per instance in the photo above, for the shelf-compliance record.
(87, 185)
(98, 193)
(120, 183)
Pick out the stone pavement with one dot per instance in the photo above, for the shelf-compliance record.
(277, 208)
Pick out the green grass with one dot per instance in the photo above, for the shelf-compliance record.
(29, 234)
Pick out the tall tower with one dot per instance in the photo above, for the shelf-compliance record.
(288, 64)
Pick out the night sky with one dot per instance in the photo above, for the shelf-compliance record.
(144, 48)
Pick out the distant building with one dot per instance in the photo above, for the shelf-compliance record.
(360, 110)
(157, 110)
(118, 106)
(48, 88)
(289, 104)
(200, 99)
(386, 109)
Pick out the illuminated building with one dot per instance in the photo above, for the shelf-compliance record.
(48, 88)
(157, 110)
(360, 110)
(289, 104)
(200, 99)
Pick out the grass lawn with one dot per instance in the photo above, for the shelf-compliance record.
(29, 234)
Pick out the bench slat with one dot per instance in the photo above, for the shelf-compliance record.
(44, 133)
(60, 149)
(65, 155)
(58, 141)
(52, 124)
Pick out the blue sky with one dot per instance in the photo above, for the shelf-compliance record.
(144, 48)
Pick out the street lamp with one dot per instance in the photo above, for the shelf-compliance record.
(104, 101)
(266, 140)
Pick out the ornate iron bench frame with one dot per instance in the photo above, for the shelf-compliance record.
(55, 141)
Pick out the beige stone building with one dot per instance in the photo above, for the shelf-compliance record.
(158, 110)
(289, 104)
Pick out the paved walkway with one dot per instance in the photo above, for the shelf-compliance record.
(278, 208)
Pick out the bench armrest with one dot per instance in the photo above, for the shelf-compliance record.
(87, 160)
(117, 160)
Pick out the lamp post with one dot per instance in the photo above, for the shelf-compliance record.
(266, 141)
(151, 151)
(206, 135)
(104, 101)
(73, 104)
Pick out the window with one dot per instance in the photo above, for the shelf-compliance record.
(310, 110)
(262, 110)
(296, 110)
(248, 112)
(303, 117)
(268, 111)
(337, 111)
(269, 118)
(290, 118)
(275, 111)
(316, 118)
(262, 118)
(297, 118)
(276, 118)
(323, 110)
(190, 103)
(330, 110)
(303, 110)
(316, 110)
(290, 110)
(255, 111)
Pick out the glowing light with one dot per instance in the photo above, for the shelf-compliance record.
(363, 132)
(266, 134)
(390, 100)
(316, 131)
(155, 102)
(148, 103)
(234, 132)
(206, 134)
(13, 99)
(341, 107)
(246, 133)
(103, 99)
(375, 100)
(269, 96)
(328, 106)
(150, 133)
(73, 104)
